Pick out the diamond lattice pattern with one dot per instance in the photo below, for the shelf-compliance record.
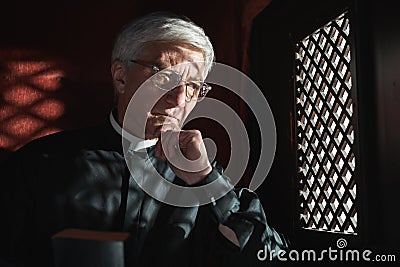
(325, 132)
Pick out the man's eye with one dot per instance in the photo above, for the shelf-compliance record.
(166, 79)
(194, 85)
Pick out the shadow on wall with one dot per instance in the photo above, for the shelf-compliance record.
(38, 96)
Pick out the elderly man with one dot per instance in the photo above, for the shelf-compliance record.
(84, 179)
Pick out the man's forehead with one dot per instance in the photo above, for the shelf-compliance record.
(167, 54)
(189, 71)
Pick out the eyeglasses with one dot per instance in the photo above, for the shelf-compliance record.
(168, 79)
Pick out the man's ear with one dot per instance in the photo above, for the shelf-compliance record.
(118, 76)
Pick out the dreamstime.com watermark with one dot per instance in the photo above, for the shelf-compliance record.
(330, 254)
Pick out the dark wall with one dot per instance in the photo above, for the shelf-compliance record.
(380, 48)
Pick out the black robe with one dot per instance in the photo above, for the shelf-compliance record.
(79, 179)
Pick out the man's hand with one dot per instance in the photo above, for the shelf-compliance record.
(186, 154)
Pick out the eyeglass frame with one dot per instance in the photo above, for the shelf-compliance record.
(204, 86)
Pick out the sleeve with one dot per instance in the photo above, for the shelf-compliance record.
(241, 210)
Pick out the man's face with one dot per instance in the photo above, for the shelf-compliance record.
(151, 108)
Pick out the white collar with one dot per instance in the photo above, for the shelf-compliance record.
(137, 143)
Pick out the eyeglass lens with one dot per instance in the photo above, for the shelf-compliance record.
(167, 80)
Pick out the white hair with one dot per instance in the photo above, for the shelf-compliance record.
(161, 26)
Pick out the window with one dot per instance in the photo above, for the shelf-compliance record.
(325, 129)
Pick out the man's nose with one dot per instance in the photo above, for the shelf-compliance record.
(177, 96)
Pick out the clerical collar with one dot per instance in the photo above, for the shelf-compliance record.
(137, 144)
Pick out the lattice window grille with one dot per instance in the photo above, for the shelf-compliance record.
(325, 133)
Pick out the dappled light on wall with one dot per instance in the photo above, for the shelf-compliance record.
(30, 106)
